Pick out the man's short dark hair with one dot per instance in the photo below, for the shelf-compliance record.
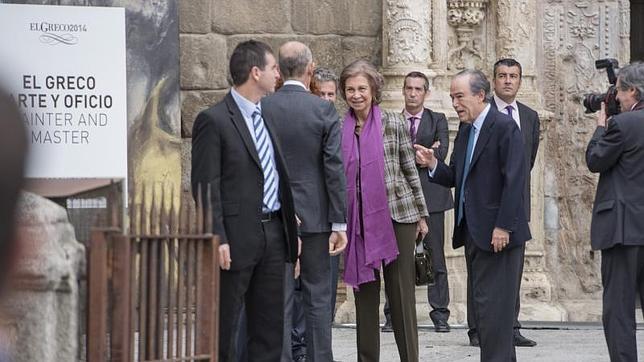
(508, 62)
(417, 75)
(294, 66)
(478, 83)
(632, 75)
(248, 54)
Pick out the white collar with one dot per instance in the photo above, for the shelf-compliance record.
(295, 82)
(501, 105)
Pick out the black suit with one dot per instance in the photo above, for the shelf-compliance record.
(309, 129)
(617, 153)
(493, 198)
(224, 156)
(433, 127)
(530, 130)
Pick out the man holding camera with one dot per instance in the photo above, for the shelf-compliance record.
(616, 151)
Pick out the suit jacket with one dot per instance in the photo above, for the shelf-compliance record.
(224, 156)
(494, 185)
(404, 190)
(433, 127)
(617, 153)
(530, 130)
(309, 129)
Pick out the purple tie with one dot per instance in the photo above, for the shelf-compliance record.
(510, 109)
(412, 128)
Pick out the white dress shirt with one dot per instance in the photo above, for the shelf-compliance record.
(502, 107)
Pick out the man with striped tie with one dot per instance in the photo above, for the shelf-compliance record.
(236, 154)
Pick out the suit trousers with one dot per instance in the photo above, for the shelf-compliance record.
(517, 324)
(315, 267)
(471, 309)
(623, 278)
(260, 288)
(492, 282)
(437, 294)
(399, 278)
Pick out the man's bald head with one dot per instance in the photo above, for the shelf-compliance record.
(294, 59)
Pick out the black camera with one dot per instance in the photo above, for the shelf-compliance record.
(593, 101)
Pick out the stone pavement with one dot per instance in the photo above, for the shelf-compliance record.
(557, 343)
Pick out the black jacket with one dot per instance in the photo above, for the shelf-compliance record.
(224, 156)
(617, 153)
(494, 185)
(433, 127)
(530, 130)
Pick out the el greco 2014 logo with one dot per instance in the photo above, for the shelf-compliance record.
(55, 34)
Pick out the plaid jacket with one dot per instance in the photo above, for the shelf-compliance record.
(404, 192)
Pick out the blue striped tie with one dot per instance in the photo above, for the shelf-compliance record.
(262, 143)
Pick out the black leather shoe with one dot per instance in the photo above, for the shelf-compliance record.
(474, 340)
(387, 327)
(521, 341)
(441, 327)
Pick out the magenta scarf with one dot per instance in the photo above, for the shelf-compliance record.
(367, 249)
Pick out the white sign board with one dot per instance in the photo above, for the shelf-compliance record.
(65, 68)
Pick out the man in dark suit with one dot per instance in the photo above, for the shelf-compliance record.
(309, 129)
(235, 151)
(616, 151)
(430, 129)
(487, 167)
(507, 81)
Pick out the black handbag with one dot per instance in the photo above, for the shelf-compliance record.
(424, 270)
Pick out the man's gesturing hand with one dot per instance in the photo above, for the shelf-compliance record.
(425, 156)
(500, 239)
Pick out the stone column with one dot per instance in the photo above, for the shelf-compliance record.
(44, 305)
(406, 45)
(516, 37)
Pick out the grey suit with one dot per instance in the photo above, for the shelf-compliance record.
(309, 131)
(617, 153)
(433, 127)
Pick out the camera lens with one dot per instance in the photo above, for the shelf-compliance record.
(593, 102)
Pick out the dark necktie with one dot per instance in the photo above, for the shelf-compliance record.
(510, 109)
(412, 128)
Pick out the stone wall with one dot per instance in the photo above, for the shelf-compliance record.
(337, 32)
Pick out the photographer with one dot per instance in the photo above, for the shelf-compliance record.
(616, 151)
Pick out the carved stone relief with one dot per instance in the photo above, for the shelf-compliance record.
(575, 34)
(407, 33)
(514, 30)
(466, 17)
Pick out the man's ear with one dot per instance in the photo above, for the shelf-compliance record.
(255, 73)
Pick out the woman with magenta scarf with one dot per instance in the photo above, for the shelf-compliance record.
(386, 212)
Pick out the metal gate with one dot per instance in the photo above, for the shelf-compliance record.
(153, 293)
